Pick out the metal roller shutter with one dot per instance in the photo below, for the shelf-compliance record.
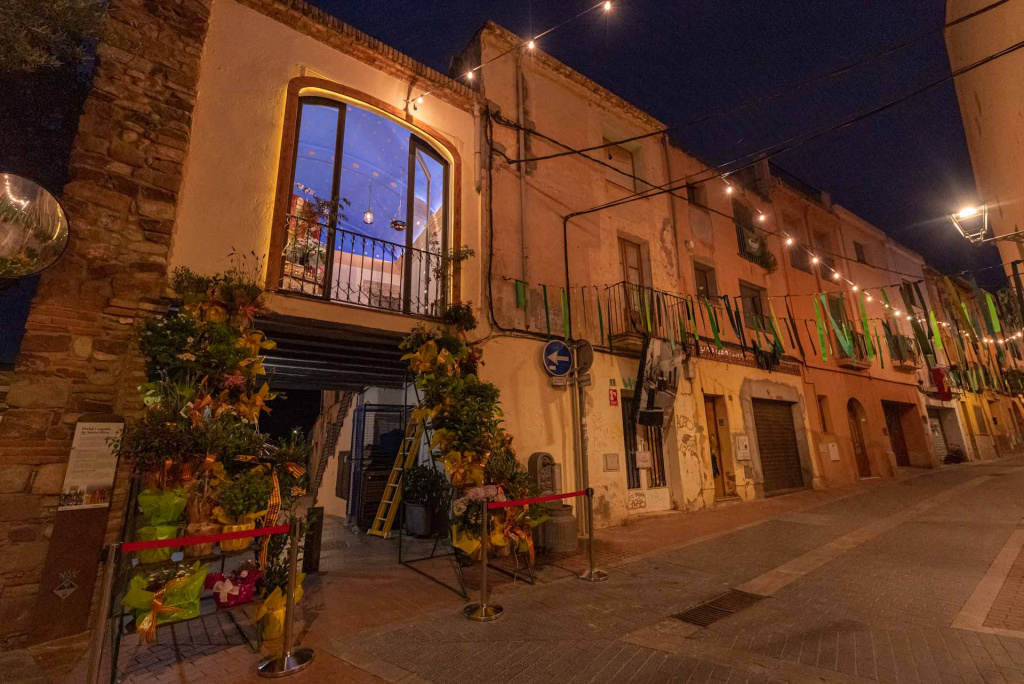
(776, 444)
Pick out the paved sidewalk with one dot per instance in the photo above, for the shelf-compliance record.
(842, 565)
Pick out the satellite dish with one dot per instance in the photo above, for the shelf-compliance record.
(33, 227)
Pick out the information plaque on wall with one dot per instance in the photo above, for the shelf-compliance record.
(76, 545)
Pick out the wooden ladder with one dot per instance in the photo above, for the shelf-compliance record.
(405, 459)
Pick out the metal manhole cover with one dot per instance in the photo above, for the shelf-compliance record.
(733, 601)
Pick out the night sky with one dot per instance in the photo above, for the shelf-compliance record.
(903, 170)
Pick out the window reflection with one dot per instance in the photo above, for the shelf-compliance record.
(381, 191)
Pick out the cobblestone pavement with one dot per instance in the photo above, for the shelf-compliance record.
(861, 585)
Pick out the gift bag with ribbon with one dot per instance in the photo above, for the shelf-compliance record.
(271, 613)
(236, 587)
(156, 603)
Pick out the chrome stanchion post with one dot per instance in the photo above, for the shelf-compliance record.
(98, 636)
(291, 660)
(593, 574)
(483, 611)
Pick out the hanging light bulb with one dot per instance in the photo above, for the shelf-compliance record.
(761, 217)
(419, 100)
(868, 297)
(728, 189)
(368, 214)
(835, 275)
(814, 260)
(607, 6)
(469, 75)
(855, 288)
(531, 45)
(896, 312)
(789, 241)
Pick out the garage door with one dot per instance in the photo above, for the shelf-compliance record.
(776, 443)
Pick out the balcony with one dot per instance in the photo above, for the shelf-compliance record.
(753, 247)
(859, 360)
(905, 356)
(345, 267)
(635, 311)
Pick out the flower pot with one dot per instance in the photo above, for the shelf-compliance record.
(417, 520)
(237, 544)
(200, 529)
(156, 533)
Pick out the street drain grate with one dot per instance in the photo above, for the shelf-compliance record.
(733, 601)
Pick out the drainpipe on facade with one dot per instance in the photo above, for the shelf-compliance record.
(672, 204)
(478, 143)
(520, 116)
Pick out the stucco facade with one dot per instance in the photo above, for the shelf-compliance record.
(208, 168)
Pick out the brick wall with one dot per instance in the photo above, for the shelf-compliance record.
(77, 355)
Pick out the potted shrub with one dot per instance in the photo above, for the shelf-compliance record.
(423, 496)
(242, 501)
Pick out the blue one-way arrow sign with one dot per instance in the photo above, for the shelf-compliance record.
(557, 358)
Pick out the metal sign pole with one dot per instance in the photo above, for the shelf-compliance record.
(592, 575)
(103, 614)
(291, 660)
(483, 612)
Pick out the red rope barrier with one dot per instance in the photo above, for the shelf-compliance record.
(203, 539)
(539, 499)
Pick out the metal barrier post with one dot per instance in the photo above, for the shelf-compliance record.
(99, 630)
(591, 575)
(291, 660)
(483, 612)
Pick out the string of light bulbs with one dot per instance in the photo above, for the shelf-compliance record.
(779, 93)
(528, 44)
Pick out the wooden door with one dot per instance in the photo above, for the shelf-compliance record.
(853, 414)
(899, 441)
(777, 446)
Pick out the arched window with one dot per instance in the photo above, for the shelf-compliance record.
(367, 214)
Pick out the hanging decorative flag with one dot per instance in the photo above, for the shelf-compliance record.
(714, 324)
(670, 325)
(647, 309)
(992, 313)
(520, 289)
(776, 329)
(583, 310)
(878, 342)
(796, 332)
(690, 306)
(936, 336)
(600, 314)
(845, 343)
(810, 338)
(821, 329)
(870, 348)
(547, 310)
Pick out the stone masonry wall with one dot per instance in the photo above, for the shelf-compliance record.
(77, 355)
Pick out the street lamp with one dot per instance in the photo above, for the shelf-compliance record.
(972, 222)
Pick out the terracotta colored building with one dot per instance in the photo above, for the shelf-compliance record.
(214, 125)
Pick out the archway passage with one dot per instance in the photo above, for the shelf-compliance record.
(857, 417)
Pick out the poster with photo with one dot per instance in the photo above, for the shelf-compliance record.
(89, 479)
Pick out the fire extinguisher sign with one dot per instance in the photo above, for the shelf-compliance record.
(613, 397)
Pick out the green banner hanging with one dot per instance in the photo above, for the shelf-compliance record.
(520, 288)
(992, 313)
(869, 347)
(647, 309)
(840, 331)
(693, 323)
(821, 329)
(878, 342)
(714, 324)
(776, 329)
(936, 337)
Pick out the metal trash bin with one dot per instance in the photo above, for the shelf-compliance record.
(558, 534)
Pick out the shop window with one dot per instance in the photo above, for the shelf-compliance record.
(704, 277)
(752, 299)
(367, 213)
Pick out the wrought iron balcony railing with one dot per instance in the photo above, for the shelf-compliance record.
(904, 353)
(351, 268)
(753, 247)
(636, 310)
(859, 359)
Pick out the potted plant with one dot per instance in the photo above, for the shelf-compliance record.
(423, 495)
(243, 501)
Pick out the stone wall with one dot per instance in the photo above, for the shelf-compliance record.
(77, 355)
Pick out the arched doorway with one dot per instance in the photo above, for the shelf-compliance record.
(857, 417)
